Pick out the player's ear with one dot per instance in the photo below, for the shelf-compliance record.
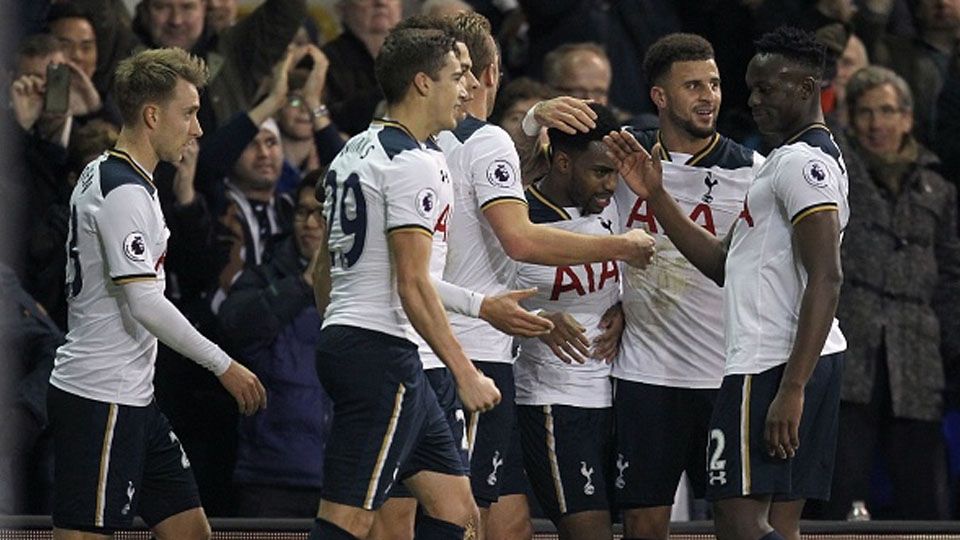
(809, 87)
(149, 114)
(658, 96)
(422, 83)
(561, 160)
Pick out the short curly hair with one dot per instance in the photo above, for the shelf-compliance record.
(798, 46)
(151, 76)
(678, 47)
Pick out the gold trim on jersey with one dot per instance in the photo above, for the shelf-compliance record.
(552, 457)
(105, 465)
(501, 200)
(123, 280)
(410, 228)
(384, 447)
(696, 157)
(386, 122)
(543, 198)
(822, 207)
(745, 480)
(120, 154)
(815, 125)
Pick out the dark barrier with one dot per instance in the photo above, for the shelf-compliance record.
(38, 528)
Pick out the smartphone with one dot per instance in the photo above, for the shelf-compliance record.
(56, 99)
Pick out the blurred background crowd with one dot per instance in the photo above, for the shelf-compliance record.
(290, 79)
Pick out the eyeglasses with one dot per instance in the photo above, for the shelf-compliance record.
(302, 213)
(885, 112)
(296, 102)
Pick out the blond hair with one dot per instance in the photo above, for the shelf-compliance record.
(151, 76)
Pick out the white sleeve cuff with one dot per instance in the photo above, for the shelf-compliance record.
(529, 125)
(456, 299)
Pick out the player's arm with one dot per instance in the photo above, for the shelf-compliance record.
(528, 242)
(565, 113)
(410, 256)
(161, 318)
(817, 241)
(503, 311)
(644, 175)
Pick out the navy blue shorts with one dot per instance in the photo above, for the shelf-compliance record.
(661, 431)
(737, 461)
(387, 425)
(114, 462)
(445, 388)
(566, 452)
(496, 462)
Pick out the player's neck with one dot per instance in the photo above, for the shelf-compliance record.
(414, 118)
(815, 117)
(477, 107)
(679, 140)
(137, 145)
(556, 190)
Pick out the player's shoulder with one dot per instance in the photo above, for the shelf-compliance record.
(729, 154)
(813, 142)
(396, 141)
(469, 128)
(118, 170)
(647, 137)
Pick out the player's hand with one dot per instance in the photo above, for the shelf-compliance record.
(642, 248)
(782, 429)
(642, 172)
(607, 344)
(568, 114)
(504, 312)
(245, 387)
(568, 340)
(477, 391)
(183, 180)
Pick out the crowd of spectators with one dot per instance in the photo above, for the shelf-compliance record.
(281, 101)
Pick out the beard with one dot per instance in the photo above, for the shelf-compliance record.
(690, 127)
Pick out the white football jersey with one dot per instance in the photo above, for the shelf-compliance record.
(486, 169)
(586, 292)
(765, 279)
(438, 253)
(382, 181)
(673, 333)
(117, 235)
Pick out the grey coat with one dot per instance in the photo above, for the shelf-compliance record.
(901, 265)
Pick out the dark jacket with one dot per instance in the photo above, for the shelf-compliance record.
(240, 57)
(352, 91)
(274, 325)
(901, 265)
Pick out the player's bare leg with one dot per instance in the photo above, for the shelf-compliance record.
(394, 520)
(509, 517)
(648, 523)
(785, 518)
(353, 520)
(187, 525)
(446, 498)
(589, 525)
(742, 518)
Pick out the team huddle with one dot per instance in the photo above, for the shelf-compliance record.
(656, 302)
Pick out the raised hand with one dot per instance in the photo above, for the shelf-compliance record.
(26, 100)
(84, 98)
(568, 114)
(504, 312)
(642, 173)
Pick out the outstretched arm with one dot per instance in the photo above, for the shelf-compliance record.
(644, 175)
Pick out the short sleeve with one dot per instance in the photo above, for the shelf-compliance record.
(807, 183)
(412, 191)
(493, 168)
(127, 222)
